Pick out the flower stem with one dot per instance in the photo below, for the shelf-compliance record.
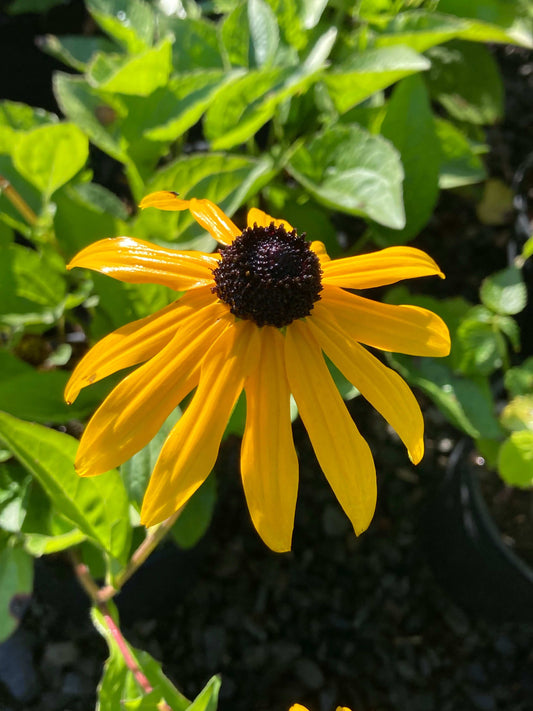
(17, 201)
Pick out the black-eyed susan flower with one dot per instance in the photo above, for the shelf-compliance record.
(257, 316)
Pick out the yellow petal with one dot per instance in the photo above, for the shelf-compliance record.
(191, 449)
(402, 329)
(212, 219)
(138, 262)
(381, 386)
(269, 465)
(164, 200)
(379, 268)
(134, 411)
(342, 453)
(298, 707)
(319, 248)
(135, 342)
(262, 219)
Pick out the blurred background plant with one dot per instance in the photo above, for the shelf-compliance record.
(346, 118)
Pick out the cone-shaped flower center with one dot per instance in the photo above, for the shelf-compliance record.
(268, 275)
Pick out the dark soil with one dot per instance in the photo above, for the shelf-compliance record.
(378, 623)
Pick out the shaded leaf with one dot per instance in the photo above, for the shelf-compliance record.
(16, 579)
(460, 160)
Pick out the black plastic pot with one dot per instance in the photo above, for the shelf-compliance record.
(466, 551)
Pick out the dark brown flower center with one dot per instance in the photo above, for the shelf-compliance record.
(268, 275)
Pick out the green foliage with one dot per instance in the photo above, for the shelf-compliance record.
(16, 578)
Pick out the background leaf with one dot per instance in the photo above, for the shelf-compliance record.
(16, 578)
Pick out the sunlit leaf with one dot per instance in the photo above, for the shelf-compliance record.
(129, 22)
(505, 291)
(515, 461)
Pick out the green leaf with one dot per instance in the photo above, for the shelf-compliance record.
(16, 118)
(504, 292)
(16, 578)
(139, 75)
(75, 51)
(264, 32)
(515, 461)
(460, 161)
(85, 107)
(118, 684)
(418, 29)
(137, 471)
(183, 101)
(482, 348)
(466, 80)
(235, 36)
(518, 414)
(31, 285)
(18, 7)
(195, 44)
(410, 127)
(368, 72)
(250, 101)
(49, 156)
(349, 169)
(38, 395)
(466, 403)
(228, 180)
(86, 213)
(97, 505)
(527, 250)
(491, 20)
(196, 517)
(519, 380)
(129, 22)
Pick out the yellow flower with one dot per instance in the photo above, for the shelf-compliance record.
(257, 316)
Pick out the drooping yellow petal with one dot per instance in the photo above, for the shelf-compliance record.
(342, 453)
(381, 386)
(135, 342)
(269, 465)
(138, 262)
(134, 411)
(379, 268)
(298, 707)
(191, 449)
(262, 219)
(212, 219)
(402, 329)
(164, 200)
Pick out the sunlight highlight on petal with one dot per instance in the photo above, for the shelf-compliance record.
(138, 262)
(214, 220)
(401, 329)
(164, 200)
(269, 465)
(381, 386)
(387, 266)
(134, 411)
(135, 342)
(191, 449)
(342, 453)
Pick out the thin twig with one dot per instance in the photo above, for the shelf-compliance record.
(17, 201)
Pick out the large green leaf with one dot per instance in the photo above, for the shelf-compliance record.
(129, 22)
(16, 578)
(38, 395)
(351, 170)
(139, 75)
(195, 44)
(97, 505)
(183, 101)
(418, 29)
(491, 20)
(505, 291)
(368, 72)
(84, 106)
(49, 156)
(16, 118)
(409, 126)
(465, 79)
(228, 180)
(264, 32)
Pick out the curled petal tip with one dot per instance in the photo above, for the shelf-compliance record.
(164, 200)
